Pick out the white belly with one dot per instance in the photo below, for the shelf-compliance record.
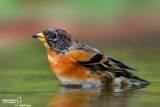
(87, 83)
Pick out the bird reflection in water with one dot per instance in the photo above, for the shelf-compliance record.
(76, 96)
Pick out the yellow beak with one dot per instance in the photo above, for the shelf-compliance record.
(40, 36)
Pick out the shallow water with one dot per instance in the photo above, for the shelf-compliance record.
(29, 76)
(47, 92)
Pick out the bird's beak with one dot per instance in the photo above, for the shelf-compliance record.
(40, 36)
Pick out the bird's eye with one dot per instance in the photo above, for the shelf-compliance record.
(53, 37)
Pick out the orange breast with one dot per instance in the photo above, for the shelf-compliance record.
(63, 66)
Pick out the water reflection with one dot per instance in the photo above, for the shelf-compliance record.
(93, 97)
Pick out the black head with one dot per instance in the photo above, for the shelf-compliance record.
(57, 39)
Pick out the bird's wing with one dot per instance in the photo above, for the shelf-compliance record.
(98, 61)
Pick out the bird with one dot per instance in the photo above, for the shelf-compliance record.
(75, 63)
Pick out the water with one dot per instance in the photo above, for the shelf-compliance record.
(25, 73)
(45, 90)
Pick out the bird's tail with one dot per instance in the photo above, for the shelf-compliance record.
(141, 81)
(131, 77)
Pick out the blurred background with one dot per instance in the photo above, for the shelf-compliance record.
(128, 30)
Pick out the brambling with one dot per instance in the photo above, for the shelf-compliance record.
(75, 63)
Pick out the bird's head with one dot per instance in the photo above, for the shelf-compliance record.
(57, 39)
